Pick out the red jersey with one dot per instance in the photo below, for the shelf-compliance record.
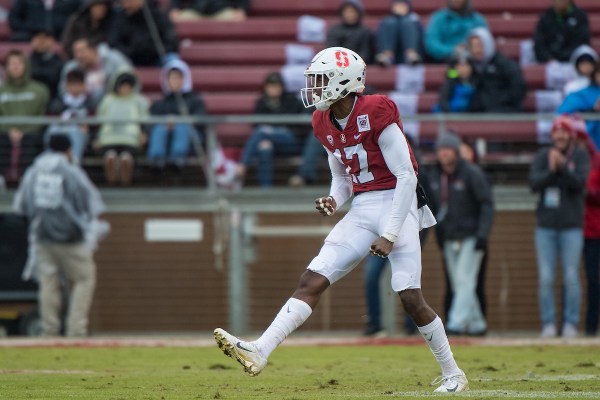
(356, 146)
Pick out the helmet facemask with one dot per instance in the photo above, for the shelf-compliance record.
(332, 75)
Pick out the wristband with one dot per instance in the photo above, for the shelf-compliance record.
(389, 237)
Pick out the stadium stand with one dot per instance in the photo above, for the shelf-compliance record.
(229, 60)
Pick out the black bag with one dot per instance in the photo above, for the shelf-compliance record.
(13, 253)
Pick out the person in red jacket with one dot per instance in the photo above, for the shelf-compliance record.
(591, 233)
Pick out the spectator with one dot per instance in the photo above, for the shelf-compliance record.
(226, 10)
(119, 143)
(94, 20)
(26, 17)
(499, 82)
(99, 62)
(584, 58)
(20, 96)
(62, 206)
(268, 139)
(350, 32)
(559, 31)
(132, 36)
(46, 64)
(400, 36)
(74, 103)
(591, 233)
(179, 99)
(462, 197)
(586, 100)
(313, 154)
(559, 174)
(456, 95)
(448, 28)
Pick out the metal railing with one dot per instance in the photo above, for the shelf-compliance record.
(210, 123)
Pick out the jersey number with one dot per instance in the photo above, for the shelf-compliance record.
(358, 164)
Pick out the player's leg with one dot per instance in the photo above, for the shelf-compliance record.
(344, 247)
(405, 260)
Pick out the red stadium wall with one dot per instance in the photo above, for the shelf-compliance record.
(176, 287)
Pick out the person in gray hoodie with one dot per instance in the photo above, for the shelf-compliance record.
(498, 80)
(559, 174)
(62, 207)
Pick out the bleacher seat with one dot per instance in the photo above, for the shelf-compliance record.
(423, 7)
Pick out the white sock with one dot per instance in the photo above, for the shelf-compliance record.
(435, 337)
(293, 314)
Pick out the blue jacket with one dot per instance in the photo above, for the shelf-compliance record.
(447, 28)
(583, 101)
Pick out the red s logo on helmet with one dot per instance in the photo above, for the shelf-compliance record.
(342, 58)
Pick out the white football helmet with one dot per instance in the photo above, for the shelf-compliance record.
(332, 74)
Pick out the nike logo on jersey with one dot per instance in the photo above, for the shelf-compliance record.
(356, 137)
(239, 346)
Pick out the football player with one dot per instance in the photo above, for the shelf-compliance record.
(372, 163)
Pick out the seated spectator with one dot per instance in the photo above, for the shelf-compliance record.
(46, 63)
(400, 36)
(583, 59)
(559, 31)
(93, 20)
(267, 139)
(74, 103)
(586, 100)
(226, 10)
(179, 99)
(313, 154)
(26, 17)
(99, 62)
(448, 28)
(457, 92)
(119, 143)
(20, 96)
(350, 32)
(131, 34)
(499, 82)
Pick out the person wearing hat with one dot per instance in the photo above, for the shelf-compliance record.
(462, 198)
(558, 175)
(400, 36)
(62, 207)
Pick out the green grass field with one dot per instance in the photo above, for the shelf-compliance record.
(311, 372)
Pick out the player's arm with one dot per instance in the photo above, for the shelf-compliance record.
(397, 157)
(341, 187)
